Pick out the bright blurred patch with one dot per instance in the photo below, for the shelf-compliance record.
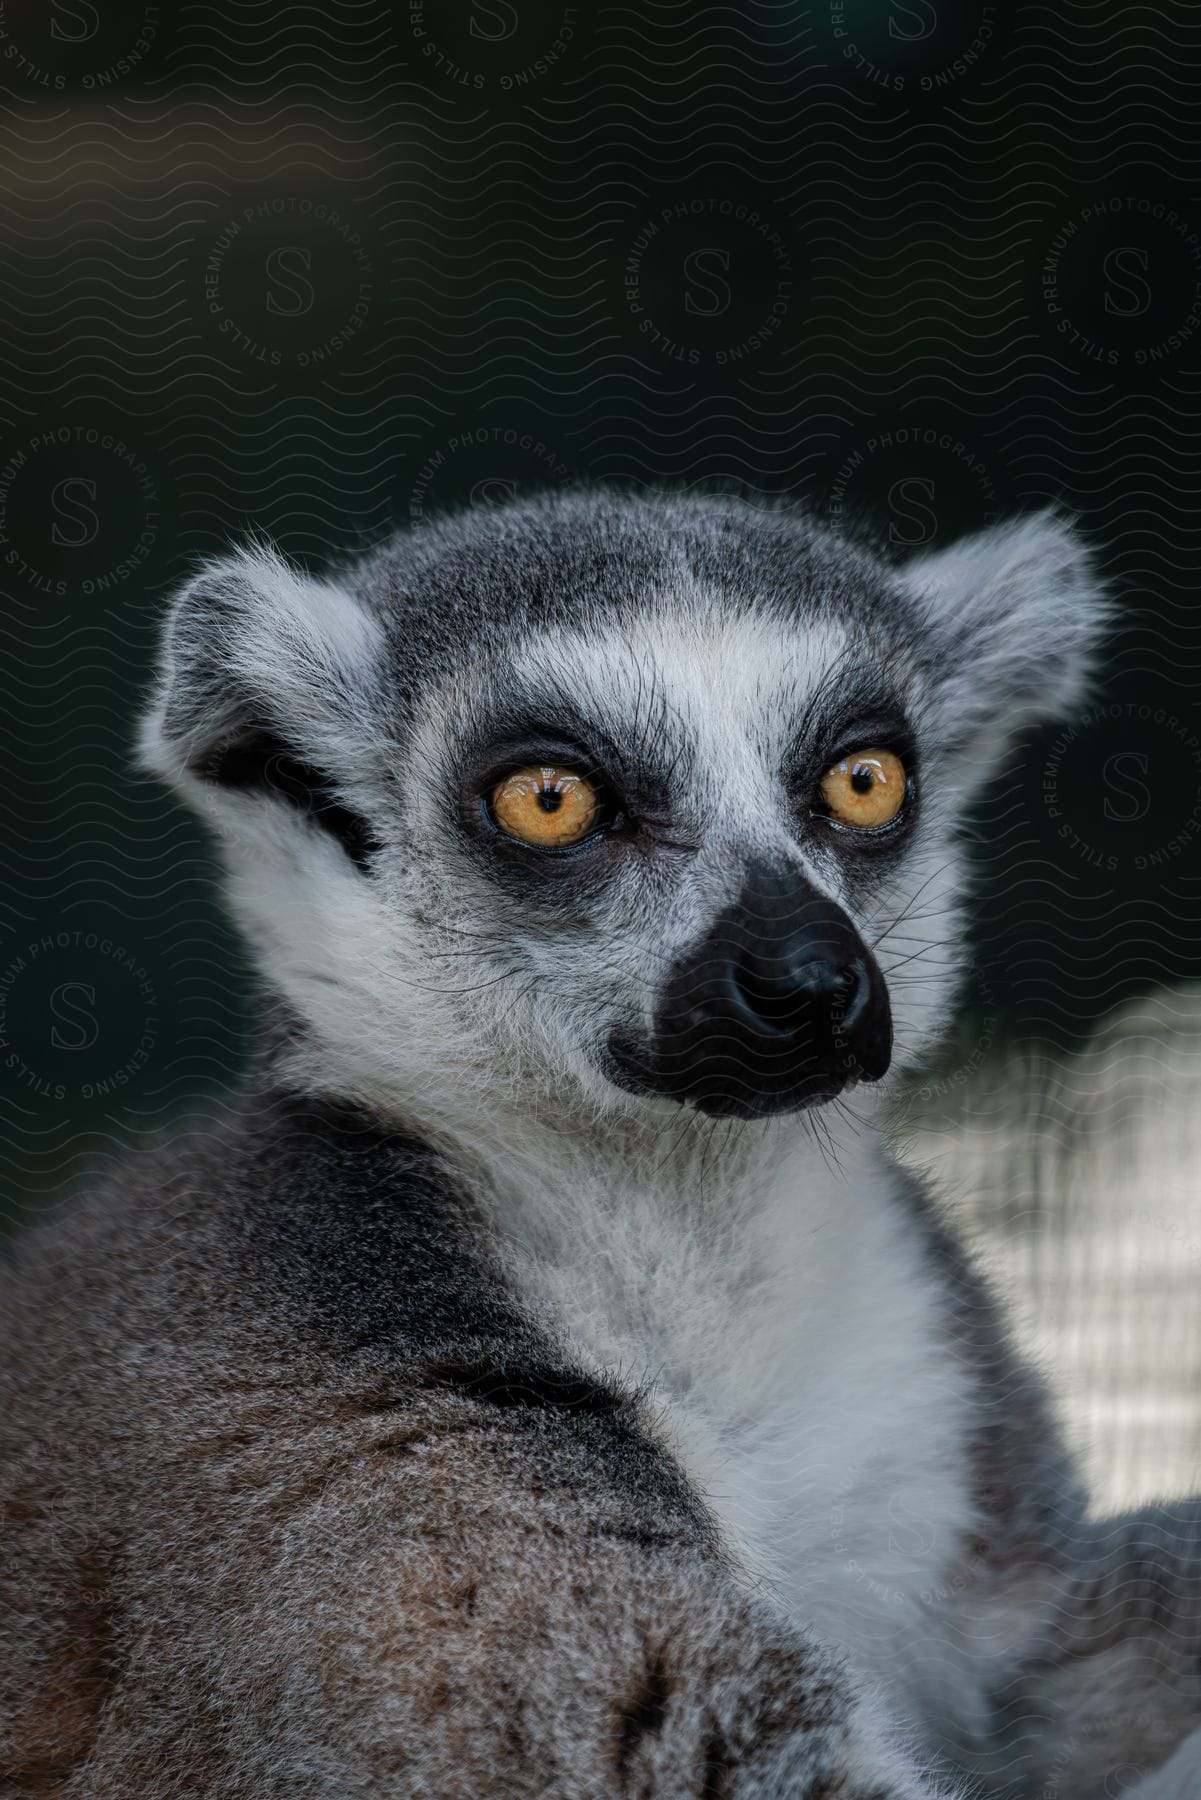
(1077, 1180)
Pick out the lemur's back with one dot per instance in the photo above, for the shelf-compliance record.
(297, 1502)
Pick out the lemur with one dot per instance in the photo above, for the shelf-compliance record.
(540, 1378)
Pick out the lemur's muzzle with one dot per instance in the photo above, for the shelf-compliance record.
(778, 1008)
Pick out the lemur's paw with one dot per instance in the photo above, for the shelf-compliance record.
(697, 1690)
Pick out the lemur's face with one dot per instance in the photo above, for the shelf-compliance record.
(613, 803)
(682, 831)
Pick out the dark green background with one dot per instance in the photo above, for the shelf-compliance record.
(933, 206)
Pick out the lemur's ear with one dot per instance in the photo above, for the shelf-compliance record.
(264, 674)
(1014, 616)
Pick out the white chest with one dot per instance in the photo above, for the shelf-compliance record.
(793, 1350)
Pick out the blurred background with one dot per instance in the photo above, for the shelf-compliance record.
(321, 272)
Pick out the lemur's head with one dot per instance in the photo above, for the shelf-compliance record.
(604, 803)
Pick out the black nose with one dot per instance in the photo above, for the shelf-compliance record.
(778, 1008)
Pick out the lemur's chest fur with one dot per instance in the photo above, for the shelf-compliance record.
(792, 1338)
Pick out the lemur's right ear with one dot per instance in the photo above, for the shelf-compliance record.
(264, 683)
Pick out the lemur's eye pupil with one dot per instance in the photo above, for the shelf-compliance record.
(866, 789)
(545, 806)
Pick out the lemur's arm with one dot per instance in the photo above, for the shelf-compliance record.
(1106, 1698)
(1120, 1667)
(1071, 1645)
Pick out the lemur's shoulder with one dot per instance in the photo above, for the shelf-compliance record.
(309, 1244)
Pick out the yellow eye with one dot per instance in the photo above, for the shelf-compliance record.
(865, 789)
(546, 807)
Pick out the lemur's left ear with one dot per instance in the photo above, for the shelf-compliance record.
(258, 713)
(1014, 616)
